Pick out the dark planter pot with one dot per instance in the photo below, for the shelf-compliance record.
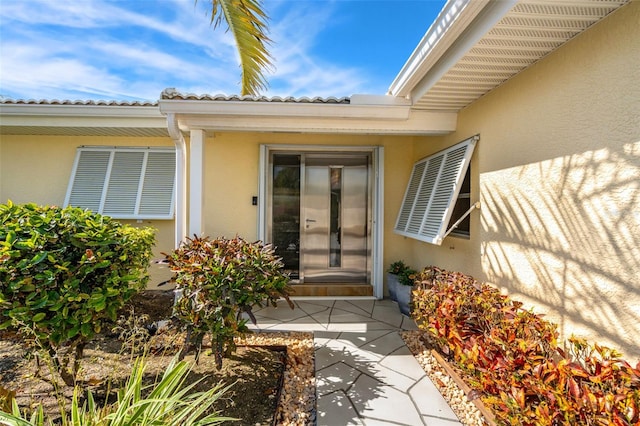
(403, 293)
(393, 283)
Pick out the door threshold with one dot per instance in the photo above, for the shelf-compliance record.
(332, 290)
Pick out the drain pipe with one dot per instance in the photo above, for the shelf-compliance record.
(181, 185)
(181, 181)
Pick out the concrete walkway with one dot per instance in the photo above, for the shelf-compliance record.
(365, 375)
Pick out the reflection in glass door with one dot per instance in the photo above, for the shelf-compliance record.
(286, 211)
(320, 216)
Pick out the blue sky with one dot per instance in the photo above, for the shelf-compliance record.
(133, 49)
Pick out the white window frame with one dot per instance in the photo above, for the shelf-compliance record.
(432, 191)
(90, 183)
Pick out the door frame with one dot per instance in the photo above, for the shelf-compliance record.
(377, 194)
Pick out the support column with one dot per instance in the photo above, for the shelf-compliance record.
(196, 182)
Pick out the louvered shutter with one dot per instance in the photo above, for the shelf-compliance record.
(431, 193)
(124, 183)
(157, 191)
(87, 180)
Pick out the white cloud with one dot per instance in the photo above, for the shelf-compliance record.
(135, 49)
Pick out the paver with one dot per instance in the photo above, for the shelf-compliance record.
(365, 374)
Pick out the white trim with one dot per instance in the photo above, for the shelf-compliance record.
(416, 123)
(377, 251)
(181, 180)
(377, 208)
(382, 111)
(452, 20)
(78, 117)
(95, 195)
(487, 18)
(432, 191)
(263, 178)
(196, 182)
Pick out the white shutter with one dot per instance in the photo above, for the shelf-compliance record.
(124, 183)
(157, 190)
(431, 193)
(87, 179)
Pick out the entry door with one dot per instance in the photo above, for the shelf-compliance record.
(335, 215)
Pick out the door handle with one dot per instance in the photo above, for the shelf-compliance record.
(309, 220)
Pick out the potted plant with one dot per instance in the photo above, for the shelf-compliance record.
(403, 291)
(393, 278)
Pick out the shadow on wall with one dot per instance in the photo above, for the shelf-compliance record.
(564, 236)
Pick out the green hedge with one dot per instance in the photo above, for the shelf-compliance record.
(65, 271)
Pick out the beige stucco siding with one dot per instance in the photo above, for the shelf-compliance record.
(36, 169)
(557, 170)
(232, 174)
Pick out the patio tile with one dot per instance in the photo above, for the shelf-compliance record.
(311, 308)
(320, 338)
(365, 305)
(281, 313)
(350, 306)
(338, 376)
(342, 316)
(359, 339)
(299, 324)
(408, 323)
(365, 374)
(391, 377)
(339, 351)
(387, 313)
(352, 327)
(319, 302)
(385, 344)
(380, 402)
(432, 405)
(403, 362)
(336, 409)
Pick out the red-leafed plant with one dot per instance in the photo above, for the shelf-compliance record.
(510, 356)
(220, 280)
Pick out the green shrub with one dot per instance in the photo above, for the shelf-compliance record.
(221, 280)
(406, 275)
(511, 357)
(64, 273)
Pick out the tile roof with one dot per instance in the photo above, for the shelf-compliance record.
(173, 94)
(76, 102)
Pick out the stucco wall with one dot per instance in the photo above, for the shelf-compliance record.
(232, 162)
(557, 170)
(37, 169)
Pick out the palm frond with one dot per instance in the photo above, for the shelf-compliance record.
(247, 22)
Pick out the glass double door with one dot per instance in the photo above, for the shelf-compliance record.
(320, 216)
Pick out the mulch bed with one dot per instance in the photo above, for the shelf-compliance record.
(272, 373)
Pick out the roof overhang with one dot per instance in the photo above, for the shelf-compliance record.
(81, 119)
(474, 46)
(361, 114)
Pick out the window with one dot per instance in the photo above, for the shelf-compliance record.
(461, 207)
(434, 187)
(124, 183)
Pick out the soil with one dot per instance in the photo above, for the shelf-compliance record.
(256, 373)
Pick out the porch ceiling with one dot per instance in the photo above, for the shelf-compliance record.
(490, 44)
